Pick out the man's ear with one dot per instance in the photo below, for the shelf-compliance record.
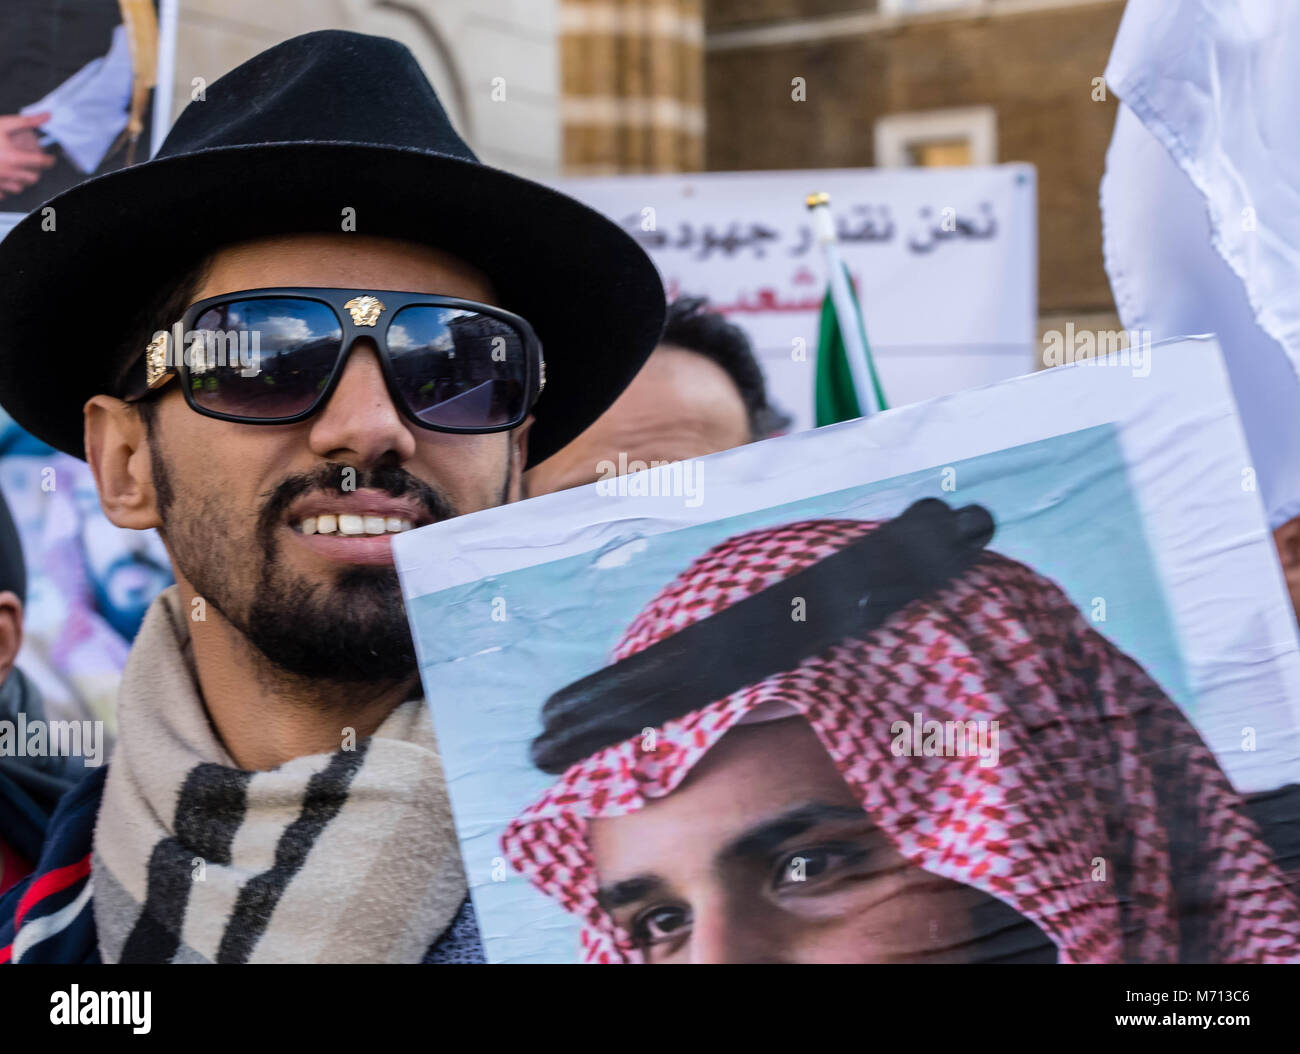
(518, 459)
(1287, 540)
(117, 449)
(11, 631)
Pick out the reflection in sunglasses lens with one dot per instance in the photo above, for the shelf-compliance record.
(458, 368)
(263, 358)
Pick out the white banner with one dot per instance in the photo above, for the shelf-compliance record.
(945, 262)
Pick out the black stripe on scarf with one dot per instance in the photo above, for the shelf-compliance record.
(326, 794)
(209, 810)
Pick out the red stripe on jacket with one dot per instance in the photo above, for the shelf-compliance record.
(48, 884)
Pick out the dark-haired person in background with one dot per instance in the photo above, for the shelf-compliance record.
(701, 391)
(30, 785)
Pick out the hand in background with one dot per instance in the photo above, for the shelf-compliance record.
(21, 159)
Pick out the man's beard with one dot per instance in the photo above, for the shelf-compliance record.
(352, 629)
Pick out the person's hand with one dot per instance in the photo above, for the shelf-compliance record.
(25, 139)
(21, 159)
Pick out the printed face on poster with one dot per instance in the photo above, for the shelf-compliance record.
(944, 260)
(88, 106)
(989, 678)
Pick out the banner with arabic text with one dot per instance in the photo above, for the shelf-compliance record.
(944, 259)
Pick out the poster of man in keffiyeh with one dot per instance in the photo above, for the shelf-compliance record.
(1008, 676)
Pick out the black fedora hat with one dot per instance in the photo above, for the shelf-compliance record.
(283, 144)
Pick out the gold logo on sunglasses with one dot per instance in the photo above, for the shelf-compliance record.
(155, 362)
(364, 310)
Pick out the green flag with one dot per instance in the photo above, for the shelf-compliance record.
(834, 398)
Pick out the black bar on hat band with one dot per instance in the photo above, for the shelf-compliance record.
(848, 594)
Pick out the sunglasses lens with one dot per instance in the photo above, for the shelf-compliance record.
(268, 357)
(458, 368)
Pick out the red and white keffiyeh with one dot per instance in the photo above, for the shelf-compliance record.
(1095, 763)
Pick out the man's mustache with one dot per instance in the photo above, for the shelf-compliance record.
(335, 477)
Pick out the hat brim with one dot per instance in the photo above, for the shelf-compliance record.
(591, 294)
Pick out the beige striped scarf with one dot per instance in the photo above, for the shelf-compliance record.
(343, 857)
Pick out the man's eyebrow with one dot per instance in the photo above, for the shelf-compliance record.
(628, 891)
(759, 840)
(767, 835)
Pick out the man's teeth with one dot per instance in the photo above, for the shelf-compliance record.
(348, 523)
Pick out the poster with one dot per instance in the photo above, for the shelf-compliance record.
(998, 677)
(945, 262)
(78, 93)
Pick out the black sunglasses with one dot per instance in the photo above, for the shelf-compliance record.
(274, 356)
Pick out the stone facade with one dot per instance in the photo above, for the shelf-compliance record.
(603, 86)
(494, 63)
(1032, 61)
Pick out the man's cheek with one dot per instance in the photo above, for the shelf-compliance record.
(878, 920)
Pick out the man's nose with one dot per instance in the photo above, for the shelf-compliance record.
(725, 930)
(359, 424)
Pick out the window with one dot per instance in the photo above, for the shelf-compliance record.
(937, 138)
